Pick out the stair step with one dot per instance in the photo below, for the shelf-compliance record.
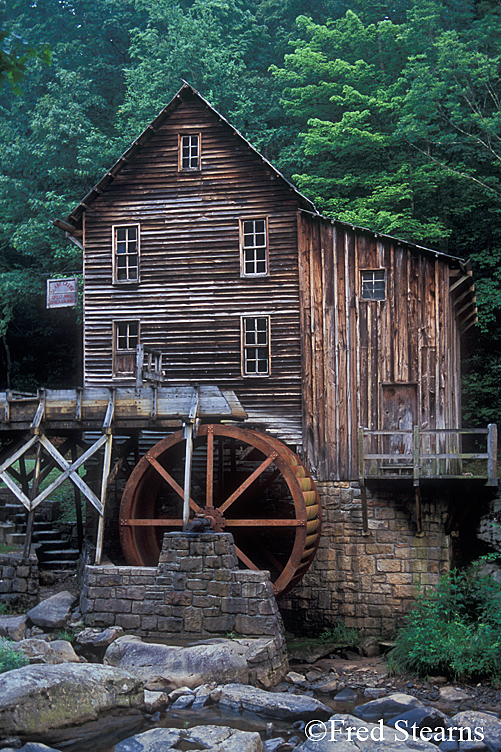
(15, 539)
(62, 554)
(46, 536)
(6, 528)
(54, 565)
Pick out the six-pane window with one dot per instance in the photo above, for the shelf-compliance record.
(373, 284)
(190, 152)
(254, 248)
(256, 345)
(126, 242)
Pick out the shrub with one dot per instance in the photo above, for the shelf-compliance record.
(454, 630)
(9, 657)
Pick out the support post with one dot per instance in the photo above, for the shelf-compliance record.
(492, 450)
(104, 492)
(33, 494)
(78, 502)
(419, 511)
(188, 434)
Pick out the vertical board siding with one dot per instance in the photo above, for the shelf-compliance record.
(409, 341)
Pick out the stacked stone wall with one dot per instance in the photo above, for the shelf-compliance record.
(196, 590)
(18, 580)
(370, 580)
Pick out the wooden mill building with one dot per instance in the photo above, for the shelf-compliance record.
(204, 267)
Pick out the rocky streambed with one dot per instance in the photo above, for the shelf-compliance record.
(117, 693)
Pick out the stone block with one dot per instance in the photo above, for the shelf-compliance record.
(113, 605)
(256, 625)
(128, 621)
(389, 565)
(149, 623)
(221, 589)
(193, 620)
(220, 624)
(191, 564)
(170, 624)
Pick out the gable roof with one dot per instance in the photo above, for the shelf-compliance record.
(185, 93)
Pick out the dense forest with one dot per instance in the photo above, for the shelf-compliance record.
(386, 114)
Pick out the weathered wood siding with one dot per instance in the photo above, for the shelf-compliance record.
(191, 295)
(359, 354)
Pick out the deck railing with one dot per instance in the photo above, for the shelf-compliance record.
(428, 453)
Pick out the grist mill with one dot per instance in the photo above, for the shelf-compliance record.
(253, 367)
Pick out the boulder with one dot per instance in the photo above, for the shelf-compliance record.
(53, 612)
(34, 700)
(174, 666)
(30, 747)
(488, 723)
(99, 638)
(154, 701)
(272, 704)
(387, 707)
(13, 627)
(452, 695)
(208, 738)
(42, 651)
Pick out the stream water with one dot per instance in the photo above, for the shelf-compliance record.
(117, 729)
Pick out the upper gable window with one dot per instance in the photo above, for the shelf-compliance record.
(254, 247)
(373, 284)
(126, 253)
(189, 152)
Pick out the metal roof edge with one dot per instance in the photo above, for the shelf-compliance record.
(376, 233)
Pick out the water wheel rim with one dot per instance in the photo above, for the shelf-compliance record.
(136, 536)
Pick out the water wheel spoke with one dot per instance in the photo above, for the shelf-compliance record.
(162, 522)
(248, 482)
(264, 522)
(272, 559)
(245, 559)
(170, 480)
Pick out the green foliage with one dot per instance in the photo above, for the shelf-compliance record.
(340, 634)
(454, 630)
(9, 657)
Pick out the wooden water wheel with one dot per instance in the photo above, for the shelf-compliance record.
(245, 482)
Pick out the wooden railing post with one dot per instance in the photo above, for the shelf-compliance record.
(416, 454)
(361, 475)
(492, 451)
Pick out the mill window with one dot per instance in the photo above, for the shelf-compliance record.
(126, 253)
(189, 152)
(254, 247)
(373, 284)
(256, 345)
(125, 342)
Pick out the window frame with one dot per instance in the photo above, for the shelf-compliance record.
(114, 241)
(243, 247)
(361, 282)
(244, 348)
(124, 352)
(180, 137)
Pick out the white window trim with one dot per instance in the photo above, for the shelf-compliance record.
(243, 273)
(116, 351)
(243, 346)
(180, 152)
(114, 229)
(360, 281)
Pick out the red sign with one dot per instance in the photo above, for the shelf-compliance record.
(62, 293)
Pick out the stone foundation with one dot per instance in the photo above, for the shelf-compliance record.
(370, 581)
(18, 580)
(197, 591)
